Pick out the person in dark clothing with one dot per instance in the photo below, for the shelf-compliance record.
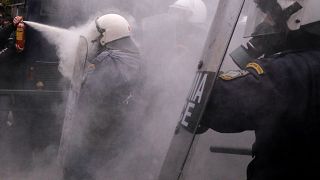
(8, 53)
(107, 96)
(277, 96)
(13, 133)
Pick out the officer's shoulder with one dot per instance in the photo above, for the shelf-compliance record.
(233, 74)
(290, 58)
(289, 54)
(101, 57)
(261, 65)
(255, 68)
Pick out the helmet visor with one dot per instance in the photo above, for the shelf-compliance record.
(271, 16)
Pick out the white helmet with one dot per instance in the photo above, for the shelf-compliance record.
(196, 8)
(112, 27)
(297, 12)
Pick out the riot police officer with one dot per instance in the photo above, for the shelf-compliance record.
(107, 95)
(277, 94)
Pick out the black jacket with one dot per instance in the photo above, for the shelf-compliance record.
(7, 56)
(5, 33)
(280, 100)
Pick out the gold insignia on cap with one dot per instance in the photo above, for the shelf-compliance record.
(256, 67)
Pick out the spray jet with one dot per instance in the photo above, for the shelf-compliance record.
(66, 42)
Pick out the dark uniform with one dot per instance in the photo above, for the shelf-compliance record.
(278, 98)
(107, 96)
(7, 63)
(7, 49)
(14, 132)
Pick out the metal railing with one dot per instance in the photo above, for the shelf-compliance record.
(29, 92)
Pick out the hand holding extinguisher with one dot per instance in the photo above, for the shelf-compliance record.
(20, 33)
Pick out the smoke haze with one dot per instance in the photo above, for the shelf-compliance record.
(170, 64)
(170, 52)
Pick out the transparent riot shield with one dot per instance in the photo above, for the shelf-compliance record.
(74, 92)
(185, 139)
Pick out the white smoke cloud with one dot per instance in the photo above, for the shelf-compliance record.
(66, 42)
(170, 70)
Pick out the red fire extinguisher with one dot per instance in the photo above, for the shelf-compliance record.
(20, 36)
